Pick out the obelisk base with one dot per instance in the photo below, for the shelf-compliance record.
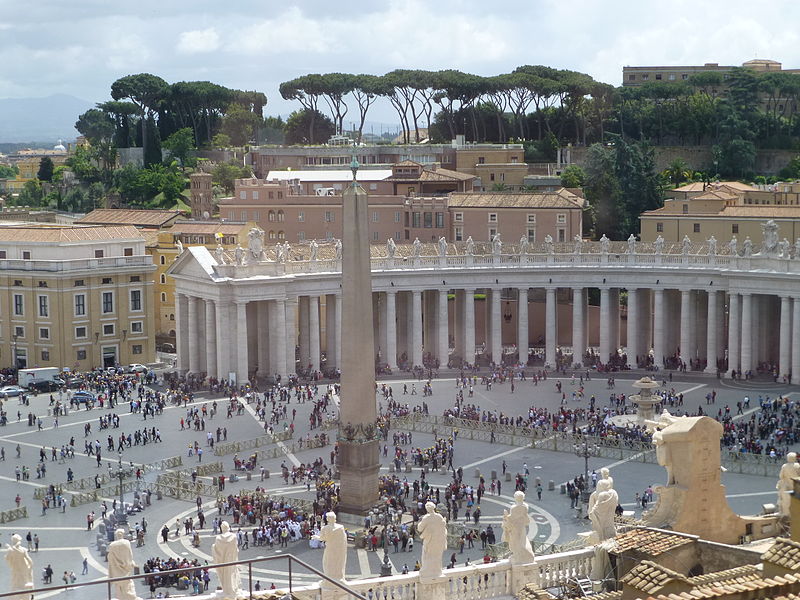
(358, 476)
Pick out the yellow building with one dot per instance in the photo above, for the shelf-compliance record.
(75, 296)
(29, 168)
(495, 164)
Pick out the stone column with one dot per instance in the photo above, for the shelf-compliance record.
(551, 332)
(313, 329)
(578, 341)
(658, 328)
(416, 328)
(303, 326)
(263, 339)
(469, 326)
(686, 324)
(201, 337)
(290, 323)
(181, 332)
(443, 330)
(632, 334)
(796, 341)
(331, 351)
(711, 334)
(391, 330)
(496, 344)
(784, 364)
(613, 313)
(224, 343)
(605, 325)
(211, 339)
(242, 357)
(734, 333)
(277, 316)
(339, 330)
(522, 324)
(194, 347)
(747, 332)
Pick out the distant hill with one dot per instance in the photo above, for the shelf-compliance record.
(50, 118)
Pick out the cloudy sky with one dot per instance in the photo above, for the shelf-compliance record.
(79, 47)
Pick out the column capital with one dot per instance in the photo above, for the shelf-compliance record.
(241, 302)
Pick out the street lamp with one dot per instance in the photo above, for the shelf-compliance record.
(585, 451)
(386, 566)
(14, 364)
(120, 515)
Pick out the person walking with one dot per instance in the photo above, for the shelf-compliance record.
(85, 564)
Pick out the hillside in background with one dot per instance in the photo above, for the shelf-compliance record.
(49, 118)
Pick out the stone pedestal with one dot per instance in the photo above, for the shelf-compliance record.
(358, 472)
(435, 589)
(522, 575)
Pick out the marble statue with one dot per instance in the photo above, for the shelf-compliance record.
(314, 246)
(578, 243)
(797, 248)
(286, 248)
(279, 257)
(120, 564)
(686, 245)
(255, 244)
(391, 248)
(602, 509)
(238, 254)
(659, 244)
(417, 248)
(21, 567)
(789, 470)
(548, 244)
(631, 244)
(334, 558)
(733, 246)
(747, 247)
(471, 246)
(783, 247)
(523, 245)
(219, 253)
(712, 246)
(179, 246)
(604, 244)
(226, 549)
(442, 247)
(497, 245)
(433, 532)
(515, 531)
(770, 242)
(338, 249)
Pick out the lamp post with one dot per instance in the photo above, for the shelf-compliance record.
(585, 451)
(14, 364)
(120, 515)
(386, 566)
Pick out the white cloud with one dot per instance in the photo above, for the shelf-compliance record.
(198, 41)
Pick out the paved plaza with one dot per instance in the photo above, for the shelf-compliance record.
(65, 540)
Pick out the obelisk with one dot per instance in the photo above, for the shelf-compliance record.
(357, 439)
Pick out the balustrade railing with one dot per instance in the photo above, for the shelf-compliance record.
(223, 448)
(12, 514)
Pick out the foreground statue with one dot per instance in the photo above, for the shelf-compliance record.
(334, 558)
(602, 509)
(433, 532)
(21, 567)
(120, 564)
(515, 531)
(226, 549)
(789, 470)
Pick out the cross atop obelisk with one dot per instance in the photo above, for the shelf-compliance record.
(357, 438)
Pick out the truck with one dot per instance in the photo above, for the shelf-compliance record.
(27, 377)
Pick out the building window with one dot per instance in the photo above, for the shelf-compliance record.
(80, 305)
(254, 194)
(374, 216)
(79, 283)
(18, 283)
(531, 219)
(19, 331)
(481, 160)
(163, 279)
(44, 333)
(108, 329)
(561, 218)
(19, 306)
(281, 216)
(428, 220)
(672, 76)
(256, 216)
(136, 327)
(397, 216)
(163, 297)
(108, 302)
(632, 77)
(491, 176)
(684, 76)
(80, 355)
(301, 236)
(531, 235)
(271, 234)
(136, 349)
(127, 252)
(136, 300)
(243, 195)
(46, 355)
(26, 255)
(42, 284)
(439, 220)
(458, 217)
(374, 236)
(659, 227)
(244, 215)
(107, 280)
(281, 235)
(43, 306)
(301, 217)
(416, 219)
(686, 209)
(492, 217)
(696, 227)
(162, 259)
(645, 76)
(135, 278)
(459, 234)
(735, 228)
(98, 254)
(329, 216)
(80, 333)
(658, 76)
(561, 234)
(2, 254)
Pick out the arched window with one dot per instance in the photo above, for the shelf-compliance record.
(163, 297)
(280, 216)
(271, 234)
(163, 259)
(172, 317)
(281, 235)
(163, 278)
(172, 333)
(271, 216)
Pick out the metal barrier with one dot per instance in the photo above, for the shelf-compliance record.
(221, 449)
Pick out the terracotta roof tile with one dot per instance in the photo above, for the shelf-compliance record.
(65, 234)
(648, 541)
(125, 216)
(785, 553)
(650, 577)
(559, 199)
(744, 572)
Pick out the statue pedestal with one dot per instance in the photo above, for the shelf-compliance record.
(332, 593)
(522, 575)
(432, 589)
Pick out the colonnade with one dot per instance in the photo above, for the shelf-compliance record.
(718, 329)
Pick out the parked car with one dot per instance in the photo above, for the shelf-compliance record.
(46, 385)
(136, 368)
(11, 391)
(83, 396)
(166, 348)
